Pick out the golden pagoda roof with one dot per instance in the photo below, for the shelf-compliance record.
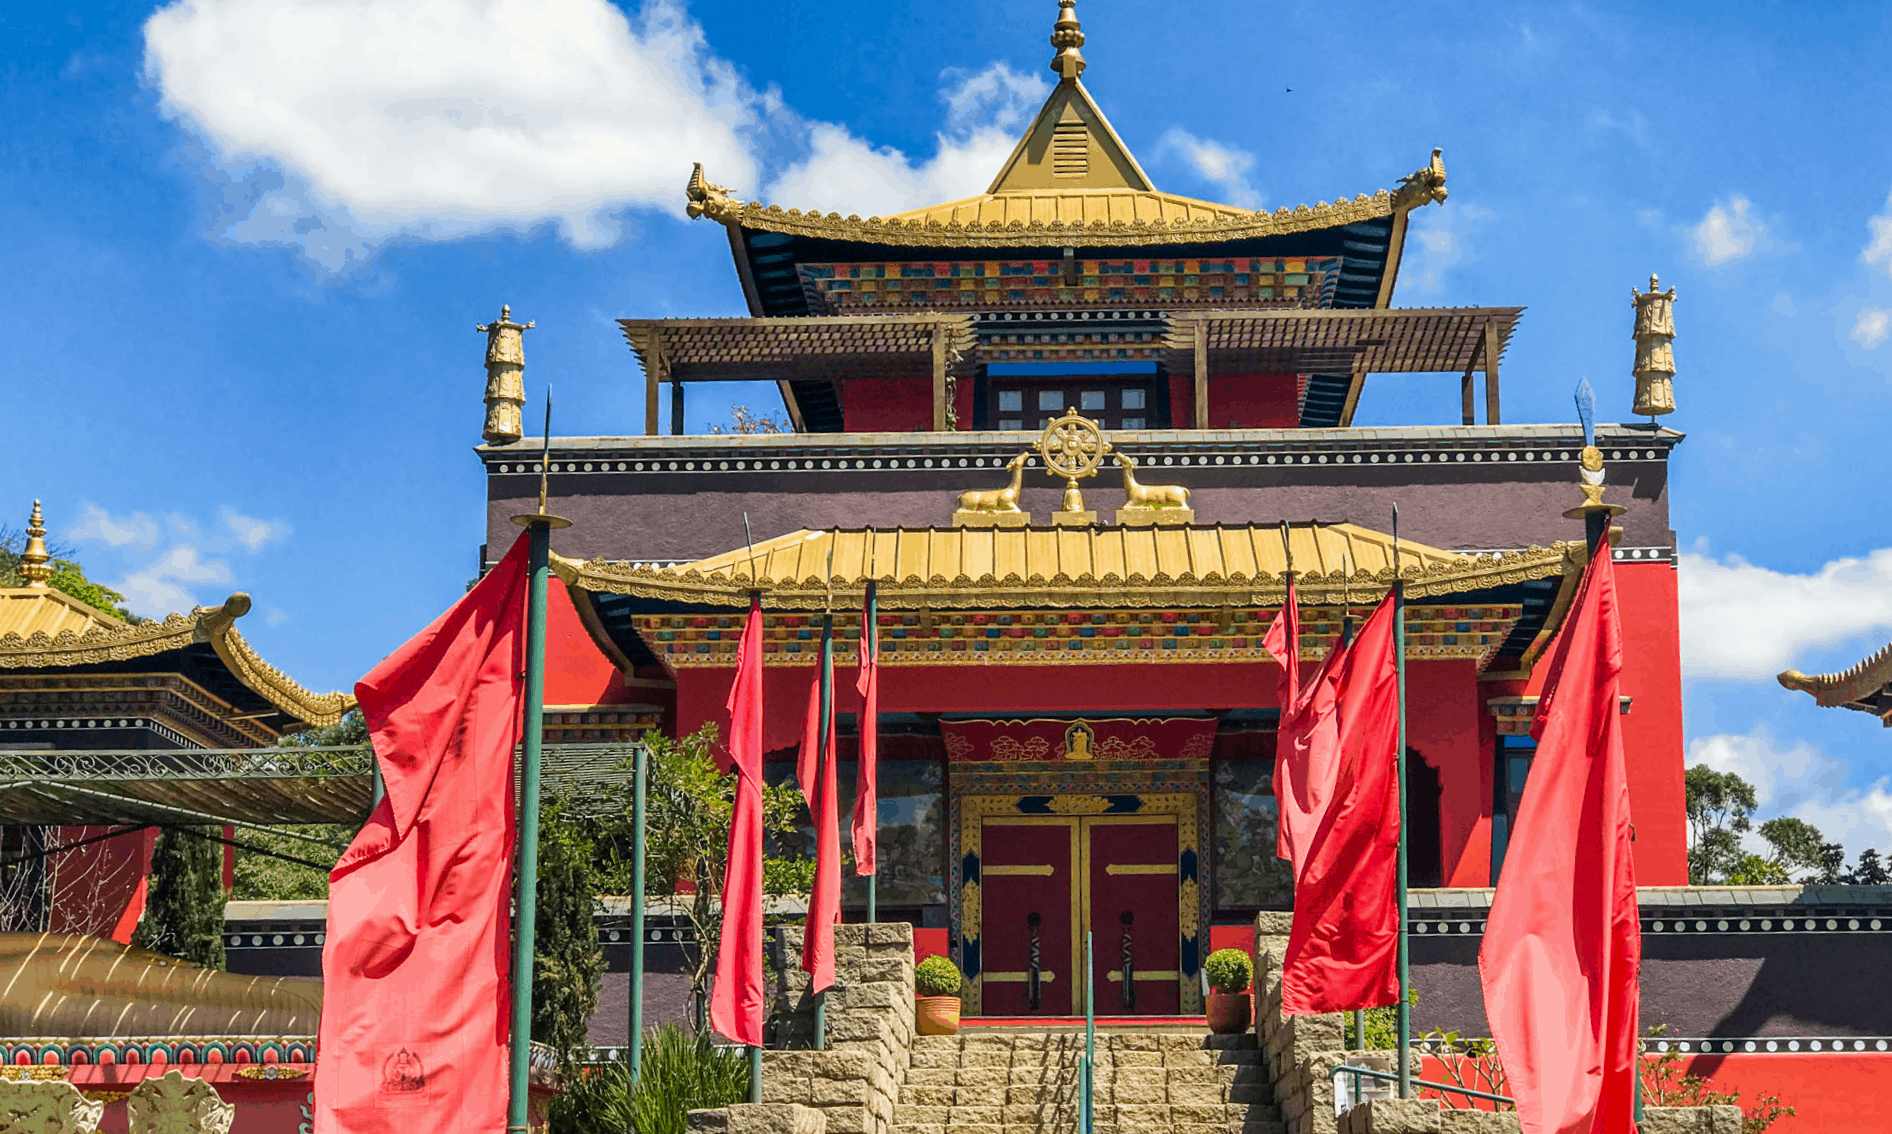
(1863, 687)
(1091, 568)
(1071, 181)
(44, 629)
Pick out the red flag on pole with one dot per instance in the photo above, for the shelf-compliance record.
(738, 998)
(1307, 747)
(1343, 949)
(814, 770)
(1283, 643)
(1563, 946)
(866, 818)
(416, 984)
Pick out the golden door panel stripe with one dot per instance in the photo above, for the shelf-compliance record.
(1140, 868)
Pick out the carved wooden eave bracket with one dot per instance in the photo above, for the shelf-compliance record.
(113, 641)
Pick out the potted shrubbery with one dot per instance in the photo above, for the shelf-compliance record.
(936, 982)
(1230, 972)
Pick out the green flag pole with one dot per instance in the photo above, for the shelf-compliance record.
(1403, 1011)
(821, 779)
(870, 647)
(635, 1050)
(538, 527)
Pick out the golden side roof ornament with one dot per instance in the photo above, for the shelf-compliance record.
(706, 198)
(35, 561)
(1067, 35)
(505, 377)
(1423, 186)
(1655, 354)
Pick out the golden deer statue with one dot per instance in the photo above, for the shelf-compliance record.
(1148, 495)
(997, 499)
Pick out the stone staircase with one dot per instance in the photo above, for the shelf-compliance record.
(1024, 1082)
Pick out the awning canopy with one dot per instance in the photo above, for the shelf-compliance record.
(1385, 341)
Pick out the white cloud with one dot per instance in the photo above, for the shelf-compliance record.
(1443, 242)
(250, 531)
(136, 530)
(1728, 233)
(162, 585)
(1798, 779)
(1845, 599)
(846, 174)
(1878, 252)
(1872, 326)
(1217, 164)
(346, 124)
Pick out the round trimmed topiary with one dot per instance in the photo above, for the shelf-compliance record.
(936, 976)
(1230, 971)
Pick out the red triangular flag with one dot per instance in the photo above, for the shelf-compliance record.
(738, 997)
(1343, 948)
(1283, 643)
(866, 818)
(416, 968)
(814, 770)
(1563, 946)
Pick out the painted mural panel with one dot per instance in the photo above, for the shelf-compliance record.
(912, 832)
(1245, 872)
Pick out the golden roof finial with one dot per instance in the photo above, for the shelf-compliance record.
(35, 559)
(505, 377)
(1067, 35)
(1655, 354)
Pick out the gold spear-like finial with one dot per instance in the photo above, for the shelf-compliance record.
(505, 377)
(1067, 35)
(35, 560)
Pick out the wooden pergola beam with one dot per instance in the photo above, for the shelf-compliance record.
(1491, 353)
(1202, 374)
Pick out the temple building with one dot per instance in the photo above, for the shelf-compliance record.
(1077, 431)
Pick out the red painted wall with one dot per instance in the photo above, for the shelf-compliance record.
(1182, 401)
(1652, 732)
(1830, 1093)
(1254, 401)
(888, 405)
(962, 403)
(1443, 707)
(100, 888)
(576, 671)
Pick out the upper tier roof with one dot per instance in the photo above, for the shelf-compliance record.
(1069, 183)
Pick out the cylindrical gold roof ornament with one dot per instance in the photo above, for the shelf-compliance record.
(505, 377)
(35, 562)
(1655, 354)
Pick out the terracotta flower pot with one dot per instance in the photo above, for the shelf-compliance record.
(936, 1015)
(1230, 1013)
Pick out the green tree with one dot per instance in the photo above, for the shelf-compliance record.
(1720, 809)
(1801, 852)
(567, 964)
(1871, 870)
(689, 806)
(184, 914)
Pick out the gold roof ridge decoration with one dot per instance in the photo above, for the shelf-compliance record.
(1095, 568)
(99, 640)
(35, 561)
(1855, 687)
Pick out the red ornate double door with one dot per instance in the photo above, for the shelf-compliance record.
(1044, 880)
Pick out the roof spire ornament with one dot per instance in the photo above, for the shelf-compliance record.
(1590, 463)
(1067, 35)
(505, 377)
(35, 561)
(1655, 354)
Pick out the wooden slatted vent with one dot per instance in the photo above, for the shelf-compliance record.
(1070, 150)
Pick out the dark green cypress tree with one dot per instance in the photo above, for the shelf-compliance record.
(183, 915)
(567, 962)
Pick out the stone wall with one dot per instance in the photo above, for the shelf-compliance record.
(853, 1084)
(1301, 1053)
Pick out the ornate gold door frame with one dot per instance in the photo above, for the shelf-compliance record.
(976, 811)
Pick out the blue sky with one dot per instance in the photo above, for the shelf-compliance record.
(249, 241)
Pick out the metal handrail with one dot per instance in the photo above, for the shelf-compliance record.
(1089, 1069)
(1389, 1077)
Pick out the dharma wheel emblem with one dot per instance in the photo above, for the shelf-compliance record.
(1072, 447)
